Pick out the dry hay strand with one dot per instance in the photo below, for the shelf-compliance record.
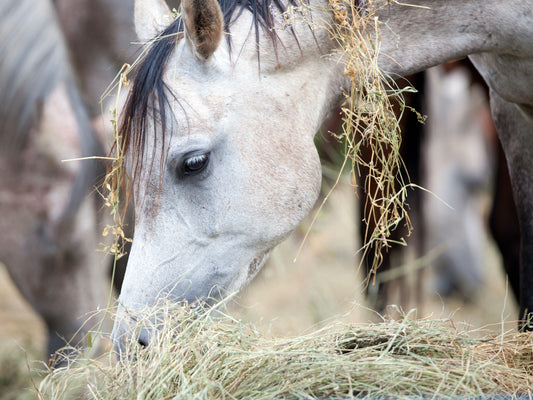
(196, 355)
(373, 107)
(371, 113)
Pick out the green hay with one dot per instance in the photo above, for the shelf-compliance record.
(196, 356)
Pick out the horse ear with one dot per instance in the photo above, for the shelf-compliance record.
(151, 17)
(204, 25)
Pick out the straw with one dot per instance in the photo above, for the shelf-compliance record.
(197, 356)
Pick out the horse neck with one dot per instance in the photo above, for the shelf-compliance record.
(425, 33)
(428, 32)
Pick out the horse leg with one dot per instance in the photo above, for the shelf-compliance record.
(515, 128)
(504, 223)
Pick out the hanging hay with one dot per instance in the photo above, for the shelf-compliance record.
(372, 110)
(201, 357)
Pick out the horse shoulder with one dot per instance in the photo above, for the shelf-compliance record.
(508, 75)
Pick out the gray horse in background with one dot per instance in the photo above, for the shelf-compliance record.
(49, 225)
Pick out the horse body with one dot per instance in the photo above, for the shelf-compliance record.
(49, 228)
(459, 151)
(224, 164)
(497, 39)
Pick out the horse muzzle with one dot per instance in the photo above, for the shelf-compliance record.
(129, 334)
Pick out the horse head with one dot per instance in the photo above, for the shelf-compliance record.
(222, 156)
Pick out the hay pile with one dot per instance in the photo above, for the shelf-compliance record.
(197, 356)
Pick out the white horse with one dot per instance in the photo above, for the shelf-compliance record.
(221, 118)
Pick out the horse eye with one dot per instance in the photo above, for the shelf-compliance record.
(195, 164)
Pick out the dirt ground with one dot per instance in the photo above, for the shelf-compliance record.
(291, 297)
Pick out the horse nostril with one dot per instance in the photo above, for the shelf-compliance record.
(144, 337)
(143, 343)
(123, 342)
(128, 332)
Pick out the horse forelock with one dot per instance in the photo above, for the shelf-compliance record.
(150, 96)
